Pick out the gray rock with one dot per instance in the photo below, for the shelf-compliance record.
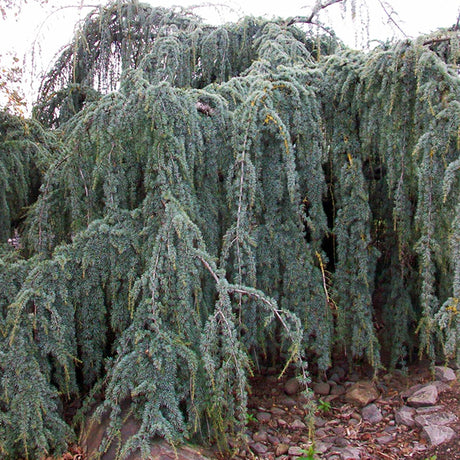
(341, 442)
(337, 390)
(295, 451)
(410, 391)
(281, 449)
(438, 434)
(288, 402)
(273, 439)
(385, 439)
(260, 436)
(321, 388)
(278, 411)
(259, 448)
(263, 417)
(439, 418)
(444, 374)
(372, 414)
(426, 396)
(428, 410)
(320, 422)
(322, 447)
(292, 386)
(298, 425)
(362, 393)
(441, 386)
(405, 416)
(350, 453)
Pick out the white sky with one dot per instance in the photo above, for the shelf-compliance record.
(38, 33)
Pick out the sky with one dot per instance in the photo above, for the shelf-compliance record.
(39, 32)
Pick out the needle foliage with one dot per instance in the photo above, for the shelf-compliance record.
(190, 202)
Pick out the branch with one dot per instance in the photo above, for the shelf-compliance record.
(437, 40)
(316, 9)
(390, 18)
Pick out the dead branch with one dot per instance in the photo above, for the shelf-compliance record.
(316, 9)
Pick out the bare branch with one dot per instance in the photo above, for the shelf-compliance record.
(316, 9)
(390, 17)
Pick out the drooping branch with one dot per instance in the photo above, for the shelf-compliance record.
(316, 9)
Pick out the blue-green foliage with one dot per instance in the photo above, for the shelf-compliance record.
(211, 198)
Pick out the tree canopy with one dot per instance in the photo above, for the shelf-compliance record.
(191, 202)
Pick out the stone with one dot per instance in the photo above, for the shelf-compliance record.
(287, 402)
(441, 386)
(259, 448)
(410, 391)
(321, 388)
(277, 411)
(439, 418)
(444, 374)
(94, 432)
(405, 416)
(263, 417)
(372, 414)
(281, 449)
(385, 439)
(298, 425)
(322, 447)
(341, 442)
(273, 439)
(362, 393)
(438, 434)
(338, 390)
(350, 453)
(426, 396)
(295, 451)
(292, 386)
(428, 409)
(281, 422)
(320, 422)
(260, 436)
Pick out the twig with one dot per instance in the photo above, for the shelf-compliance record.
(382, 4)
(316, 9)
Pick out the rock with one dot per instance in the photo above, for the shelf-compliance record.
(281, 422)
(277, 411)
(441, 386)
(410, 391)
(428, 409)
(438, 434)
(287, 402)
(444, 374)
(362, 393)
(338, 390)
(350, 453)
(281, 449)
(440, 419)
(292, 386)
(341, 442)
(320, 422)
(372, 414)
(94, 432)
(273, 439)
(263, 417)
(260, 436)
(405, 416)
(321, 388)
(382, 440)
(259, 448)
(426, 396)
(295, 451)
(337, 373)
(322, 447)
(298, 425)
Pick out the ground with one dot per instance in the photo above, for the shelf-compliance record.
(278, 427)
